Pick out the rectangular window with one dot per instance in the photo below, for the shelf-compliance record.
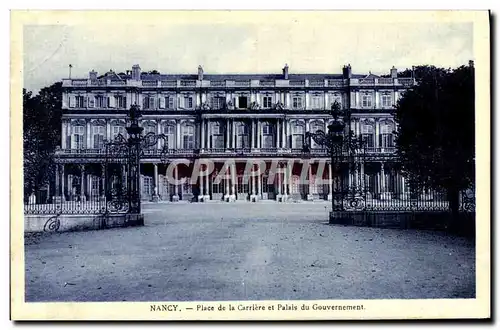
(368, 140)
(316, 102)
(188, 102)
(167, 102)
(386, 141)
(267, 141)
(80, 101)
(147, 187)
(120, 101)
(78, 137)
(217, 141)
(366, 101)
(148, 102)
(101, 101)
(217, 102)
(297, 102)
(267, 102)
(242, 102)
(98, 137)
(386, 100)
(242, 141)
(188, 137)
(266, 129)
(188, 142)
(298, 141)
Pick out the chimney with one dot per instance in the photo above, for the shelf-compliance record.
(92, 75)
(471, 63)
(346, 71)
(200, 72)
(136, 72)
(285, 71)
(394, 72)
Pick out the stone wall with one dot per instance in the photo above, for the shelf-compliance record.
(78, 222)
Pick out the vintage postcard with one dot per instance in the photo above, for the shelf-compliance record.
(250, 165)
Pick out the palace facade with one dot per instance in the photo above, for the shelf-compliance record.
(228, 116)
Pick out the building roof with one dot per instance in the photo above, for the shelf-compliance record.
(231, 76)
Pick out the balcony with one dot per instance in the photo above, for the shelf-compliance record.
(79, 82)
(380, 150)
(335, 83)
(188, 83)
(297, 83)
(406, 81)
(267, 83)
(366, 81)
(91, 151)
(217, 83)
(316, 83)
(403, 82)
(385, 81)
(150, 83)
(243, 83)
(98, 82)
(169, 83)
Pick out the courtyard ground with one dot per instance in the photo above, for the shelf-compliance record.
(248, 251)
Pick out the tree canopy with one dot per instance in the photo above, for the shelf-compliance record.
(435, 138)
(41, 135)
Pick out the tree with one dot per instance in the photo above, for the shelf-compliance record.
(435, 139)
(41, 135)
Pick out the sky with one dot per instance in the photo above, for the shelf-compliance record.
(307, 46)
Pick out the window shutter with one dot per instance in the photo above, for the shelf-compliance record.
(181, 100)
(144, 103)
(111, 101)
(85, 101)
(161, 104)
(152, 103)
(72, 101)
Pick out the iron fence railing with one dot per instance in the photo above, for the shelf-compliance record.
(66, 203)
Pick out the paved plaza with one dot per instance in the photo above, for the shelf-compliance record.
(246, 251)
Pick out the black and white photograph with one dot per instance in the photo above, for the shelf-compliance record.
(251, 165)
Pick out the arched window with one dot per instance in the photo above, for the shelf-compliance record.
(169, 131)
(98, 134)
(77, 137)
(315, 126)
(367, 134)
(217, 135)
(386, 135)
(267, 135)
(242, 138)
(188, 136)
(297, 135)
